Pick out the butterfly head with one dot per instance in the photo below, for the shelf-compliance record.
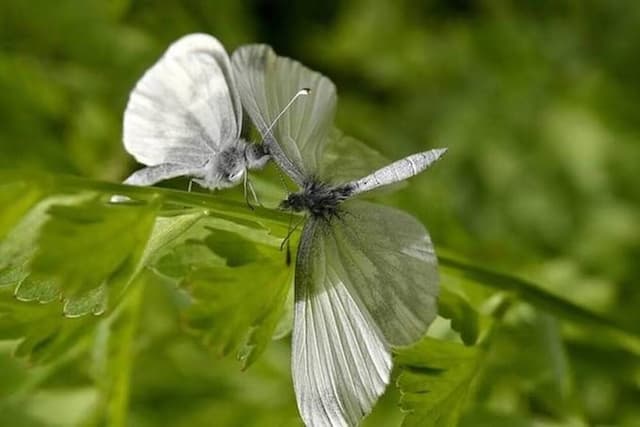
(255, 155)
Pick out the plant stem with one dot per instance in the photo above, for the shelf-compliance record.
(538, 297)
(124, 356)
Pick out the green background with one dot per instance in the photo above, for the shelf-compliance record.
(537, 102)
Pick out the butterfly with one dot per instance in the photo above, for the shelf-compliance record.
(366, 277)
(184, 118)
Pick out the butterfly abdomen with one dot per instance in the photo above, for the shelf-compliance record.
(398, 171)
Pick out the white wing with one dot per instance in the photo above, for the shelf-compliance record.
(391, 267)
(364, 281)
(267, 83)
(185, 107)
(153, 174)
(397, 171)
(341, 363)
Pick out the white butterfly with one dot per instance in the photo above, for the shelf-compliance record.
(366, 275)
(184, 118)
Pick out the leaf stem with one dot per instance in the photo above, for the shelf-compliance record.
(119, 391)
(212, 202)
(538, 297)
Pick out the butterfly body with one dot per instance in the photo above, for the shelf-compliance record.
(320, 200)
(227, 168)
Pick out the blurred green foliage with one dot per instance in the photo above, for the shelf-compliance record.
(537, 103)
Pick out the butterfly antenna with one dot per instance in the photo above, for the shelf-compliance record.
(302, 92)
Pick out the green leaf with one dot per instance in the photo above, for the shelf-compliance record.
(435, 379)
(114, 351)
(93, 301)
(487, 418)
(198, 238)
(265, 326)
(12, 414)
(236, 277)
(169, 230)
(464, 319)
(19, 245)
(542, 374)
(83, 246)
(230, 246)
(17, 251)
(46, 335)
(16, 198)
(237, 301)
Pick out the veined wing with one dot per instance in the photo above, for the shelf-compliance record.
(364, 281)
(267, 83)
(341, 363)
(388, 265)
(397, 171)
(153, 174)
(185, 107)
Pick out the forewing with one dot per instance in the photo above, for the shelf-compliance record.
(388, 264)
(153, 174)
(267, 83)
(185, 107)
(341, 363)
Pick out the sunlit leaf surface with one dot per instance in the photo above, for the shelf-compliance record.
(435, 380)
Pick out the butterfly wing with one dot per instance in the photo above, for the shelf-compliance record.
(185, 107)
(364, 281)
(267, 83)
(153, 174)
(341, 363)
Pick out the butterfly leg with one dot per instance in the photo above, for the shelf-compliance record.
(290, 233)
(201, 182)
(245, 185)
(253, 193)
(288, 256)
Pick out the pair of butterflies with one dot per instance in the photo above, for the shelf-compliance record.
(366, 276)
